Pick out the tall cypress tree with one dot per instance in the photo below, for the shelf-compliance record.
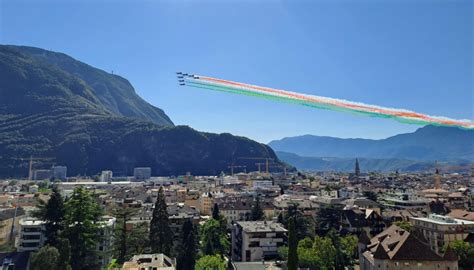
(188, 247)
(215, 212)
(256, 212)
(161, 238)
(292, 245)
(64, 262)
(122, 244)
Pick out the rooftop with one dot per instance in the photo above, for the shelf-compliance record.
(261, 226)
(443, 220)
(397, 244)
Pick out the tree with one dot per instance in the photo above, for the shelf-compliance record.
(465, 253)
(326, 250)
(64, 248)
(304, 225)
(370, 195)
(338, 259)
(46, 258)
(327, 218)
(215, 212)
(161, 239)
(209, 262)
(256, 212)
(188, 247)
(213, 238)
(329, 252)
(137, 239)
(82, 228)
(406, 225)
(349, 248)
(292, 245)
(53, 214)
(122, 235)
(308, 256)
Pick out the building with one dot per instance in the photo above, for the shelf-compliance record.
(262, 184)
(239, 208)
(440, 230)
(106, 176)
(462, 214)
(178, 213)
(356, 220)
(396, 248)
(403, 201)
(31, 234)
(206, 202)
(31, 237)
(9, 217)
(257, 240)
(105, 244)
(150, 262)
(59, 172)
(142, 173)
(42, 174)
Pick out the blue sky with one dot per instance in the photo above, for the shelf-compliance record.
(404, 54)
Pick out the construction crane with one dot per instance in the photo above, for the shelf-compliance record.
(32, 160)
(232, 166)
(275, 165)
(258, 165)
(260, 158)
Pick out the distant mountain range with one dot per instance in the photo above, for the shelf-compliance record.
(411, 151)
(348, 164)
(52, 105)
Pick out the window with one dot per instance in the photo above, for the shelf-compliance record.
(31, 237)
(31, 229)
(254, 244)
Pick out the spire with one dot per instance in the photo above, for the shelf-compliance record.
(437, 178)
(357, 169)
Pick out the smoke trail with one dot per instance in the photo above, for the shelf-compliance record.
(401, 115)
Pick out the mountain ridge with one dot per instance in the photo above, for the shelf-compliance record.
(427, 143)
(46, 111)
(113, 91)
(347, 164)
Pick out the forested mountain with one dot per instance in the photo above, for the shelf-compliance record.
(54, 106)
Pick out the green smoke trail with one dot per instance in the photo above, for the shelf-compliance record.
(236, 90)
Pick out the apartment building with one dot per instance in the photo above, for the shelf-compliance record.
(440, 230)
(31, 234)
(257, 240)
